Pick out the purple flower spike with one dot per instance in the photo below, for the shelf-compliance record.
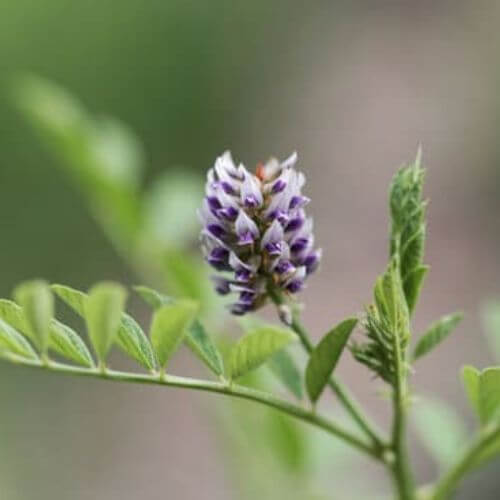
(255, 227)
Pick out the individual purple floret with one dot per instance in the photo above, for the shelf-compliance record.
(255, 230)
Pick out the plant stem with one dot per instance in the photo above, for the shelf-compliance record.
(449, 482)
(347, 400)
(217, 387)
(401, 469)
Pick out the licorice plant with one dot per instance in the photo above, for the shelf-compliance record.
(256, 235)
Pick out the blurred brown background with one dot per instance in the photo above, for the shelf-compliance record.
(354, 87)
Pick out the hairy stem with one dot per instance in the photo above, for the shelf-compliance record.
(224, 388)
(401, 469)
(347, 400)
(449, 482)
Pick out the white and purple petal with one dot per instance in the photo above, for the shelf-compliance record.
(246, 229)
(251, 193)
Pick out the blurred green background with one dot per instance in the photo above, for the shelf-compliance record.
(353, 87)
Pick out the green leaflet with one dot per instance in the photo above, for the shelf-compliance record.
(413, 284)
(103, 311)
(390, 301)
(37, 302)
(437, 332)
(197, 338)
(73, 298)
(483, 391)
(325, 357)
(130, 338)
(471, 380)
(169, 327)
(13, 342)
(152, 297)
(281, 364)
(12, 314)
(441, 430)
(68, 343)
(62, 339)
(256, 347)
(202, 345)
(489, 395)
(284, 368)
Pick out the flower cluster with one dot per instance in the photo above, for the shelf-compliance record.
(255, 227)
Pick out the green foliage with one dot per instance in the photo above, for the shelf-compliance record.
(11, 341)
(491, 451)
(169, 327)
(408, 228)
(441, 430)
(491, 321)
(256, 347)
(489, 395)
(483, 391)
(285, 369)
(282, 364)
(288, 441)
(130, 337)
(437, 332)
(62, 339)
(197, 338)
(386, 325)
(471, 378)
(187, 276)
(103, 311)
(325, 356)
(170, 206)
(102, 157)
(68, 344)
(152, 229)
(202, 345)
(37, 303)
(152, 297)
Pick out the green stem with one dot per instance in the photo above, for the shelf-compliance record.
(401, 469)
(217, 387)
(346, 399)
(449, 482)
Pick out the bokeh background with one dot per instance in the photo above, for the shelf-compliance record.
(354, 87)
